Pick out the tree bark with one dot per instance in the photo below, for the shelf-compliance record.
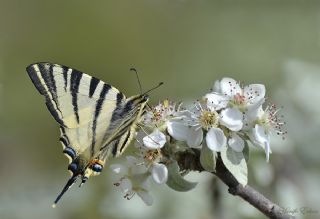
(191, 161)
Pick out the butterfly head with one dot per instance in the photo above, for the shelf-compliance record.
(145, 98)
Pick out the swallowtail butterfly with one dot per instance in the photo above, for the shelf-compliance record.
(96, 120)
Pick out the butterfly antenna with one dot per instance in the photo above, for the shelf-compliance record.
(148, 91)
(137, 75)
(70, 182)
(160, 84)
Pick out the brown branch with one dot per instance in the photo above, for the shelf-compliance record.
(190, 161)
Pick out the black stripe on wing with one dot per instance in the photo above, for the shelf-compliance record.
(118, 133)
(65, 76)
(123, 117)
(103, 93)
(93, 85)
(50, 94)
(120, 97)
(74, 89)
(121, 144)
(47, 75)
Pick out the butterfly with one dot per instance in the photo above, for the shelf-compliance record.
(96, 120)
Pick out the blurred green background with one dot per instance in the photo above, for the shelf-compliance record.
(188, 44)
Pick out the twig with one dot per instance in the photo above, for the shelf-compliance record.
(190, 161)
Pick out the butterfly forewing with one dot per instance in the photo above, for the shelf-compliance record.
(69, 93)
(81, 104)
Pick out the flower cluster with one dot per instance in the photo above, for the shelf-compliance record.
(223, 121)
(135, 176)
(228, 116)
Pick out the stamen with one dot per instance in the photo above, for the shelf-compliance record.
(274, 121)
(208, 119)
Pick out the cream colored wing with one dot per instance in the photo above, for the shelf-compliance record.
(81, 104)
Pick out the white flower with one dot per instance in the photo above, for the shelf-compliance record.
(155, 140)
(181, 131)
(236, 142)
(234, 101)
(152, 155)
(232, 119)
(158, 115)
(264, 123)
(229, 93)
(189, 125)
(250, 118)
(159, 173)
(133, 179)
(215, 139)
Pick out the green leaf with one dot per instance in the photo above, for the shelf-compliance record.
(208, 158)
(236, 164)
(176, 181)
(246, 151)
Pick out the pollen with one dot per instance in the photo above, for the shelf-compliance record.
(156, 115)
(166, 103)
(208, 119)
(152, 155)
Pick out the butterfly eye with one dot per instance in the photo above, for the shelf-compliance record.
(73, 167)
(97, 167)
(145, 97)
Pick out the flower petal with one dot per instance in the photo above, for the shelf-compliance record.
(178, 130)
(119, 169)
(236, 143)
(146, 197)
(194, 137)
(254, 94)
(125, 185)
(267, 150)
(155, 140)
(183, 113)
(216, 101)
(254, 113)
(232, 119)
(251, 116)
(186, 117)
(159, 173)
(230, 87)
(260, 135)
(215, 139)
